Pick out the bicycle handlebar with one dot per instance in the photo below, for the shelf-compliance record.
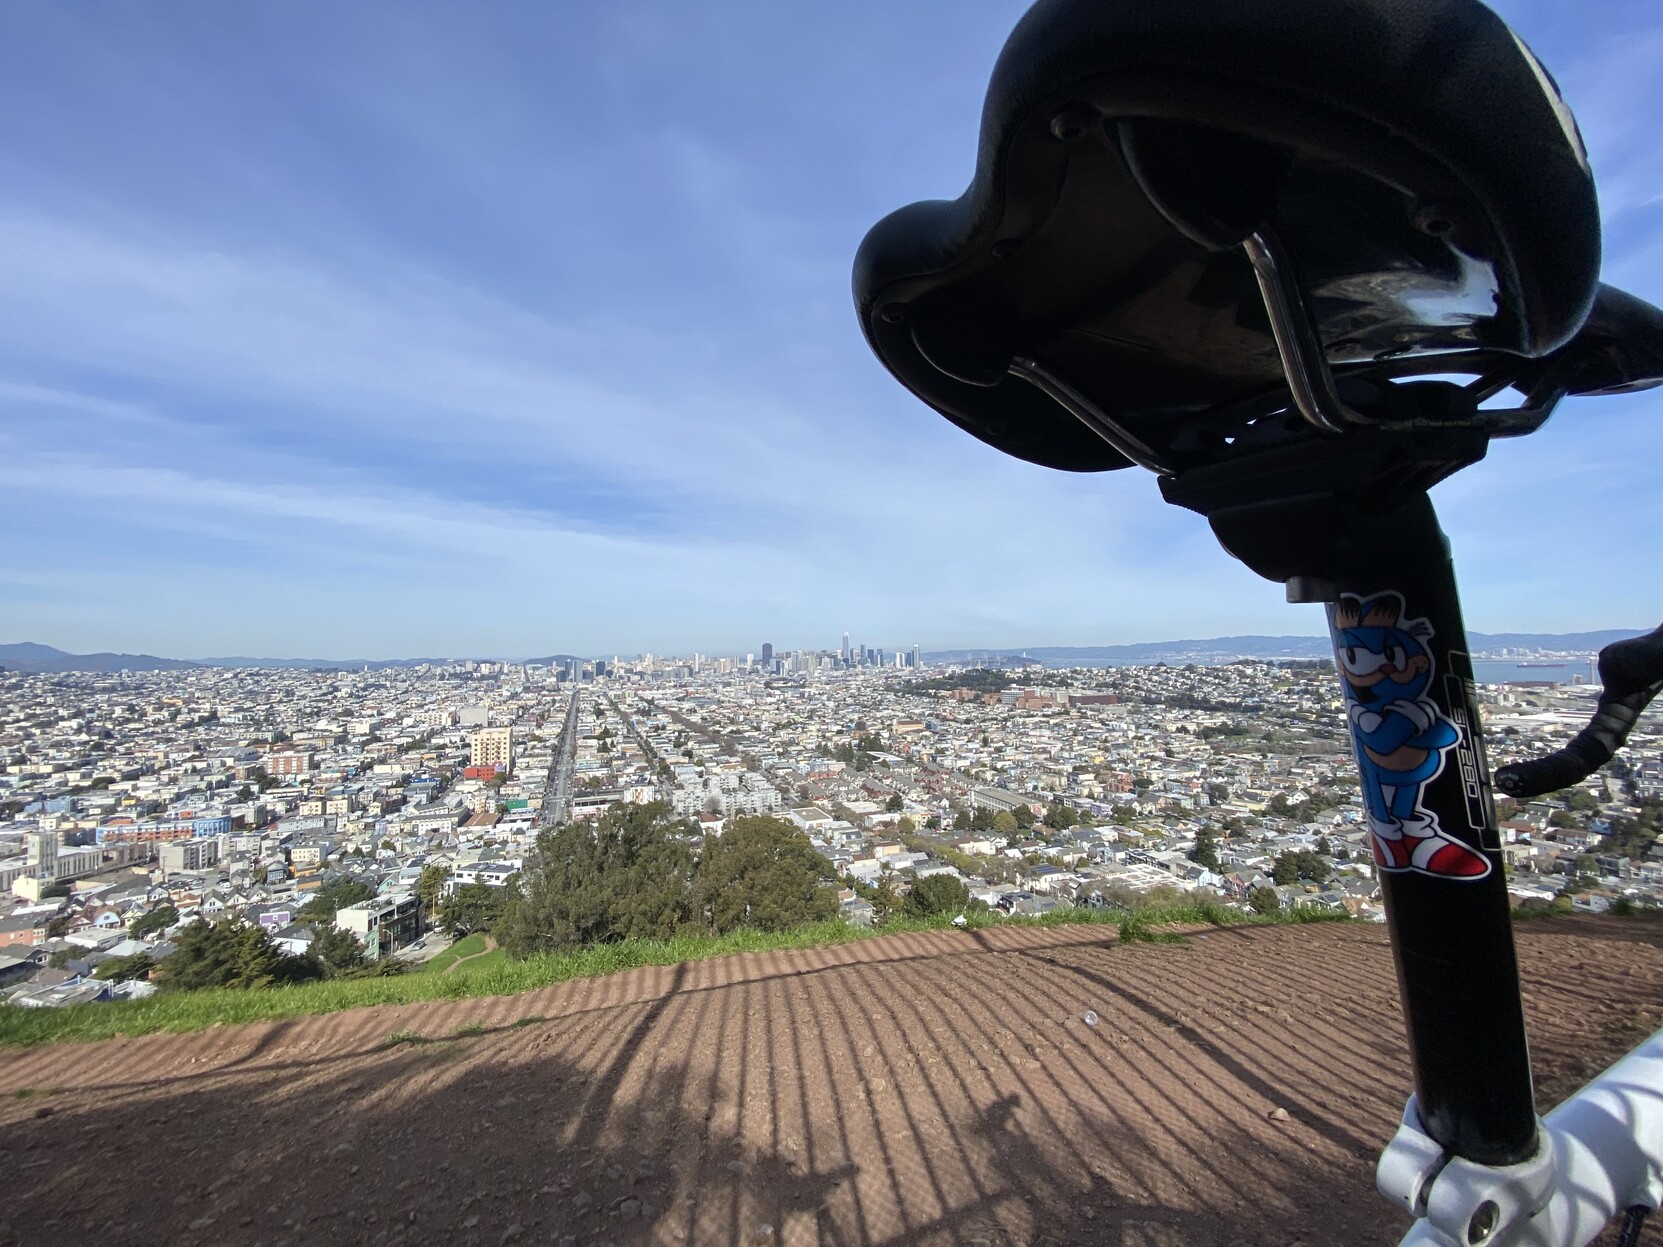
(1632, 672)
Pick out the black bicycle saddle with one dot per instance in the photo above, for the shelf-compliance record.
(1196, 224)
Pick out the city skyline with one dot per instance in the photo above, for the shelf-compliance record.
(447, 334)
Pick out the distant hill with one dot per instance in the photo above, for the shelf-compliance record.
(374, 664)
(317, 664)
(30, 658)
(1225, 648)
(1569, 642)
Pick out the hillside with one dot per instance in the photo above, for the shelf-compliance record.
(928, 1088)
(32, 658)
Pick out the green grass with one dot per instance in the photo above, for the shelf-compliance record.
(465, 947)
(486, 961)
(497, 975)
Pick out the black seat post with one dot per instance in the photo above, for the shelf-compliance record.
(1377, 557)
(1246, 247)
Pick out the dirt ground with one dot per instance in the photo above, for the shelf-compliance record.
(918, 1089)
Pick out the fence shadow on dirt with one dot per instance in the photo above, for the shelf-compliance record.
(958, 1098)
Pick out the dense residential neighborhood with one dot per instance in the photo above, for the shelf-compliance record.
(133, 803)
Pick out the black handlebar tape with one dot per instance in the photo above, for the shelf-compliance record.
(1632, 672)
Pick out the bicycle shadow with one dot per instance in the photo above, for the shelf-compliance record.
(955, 1099)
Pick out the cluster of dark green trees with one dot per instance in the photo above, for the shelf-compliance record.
(637, 873)
(1059, 817)
(234, 953)
(1303, 866)
(931, 896)
(978, 679)
(1205, 852)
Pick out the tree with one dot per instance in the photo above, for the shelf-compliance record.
(1024, 816)
(1580, 800)
(430, 883)
(1313, 867)
(629, 876)
(885, 900)
(335, 895)
(961, 820)
(1061, 816)
(229, 953)
(120, 969)
(1304, 865)
(337, 951)
(1004, 822)
(474, 907)
(895, 805)
(259, 874)
(157, 920)
(937, 894)
(1264, 900)
(1205, 852)
(762, 872)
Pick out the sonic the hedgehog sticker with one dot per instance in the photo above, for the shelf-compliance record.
(1399, 733)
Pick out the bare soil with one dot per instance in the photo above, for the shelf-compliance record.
(926, 1088)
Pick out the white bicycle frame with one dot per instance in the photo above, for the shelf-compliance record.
(1600, 1153)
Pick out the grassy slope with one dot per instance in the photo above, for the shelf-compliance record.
(497, 975)
(465, 947)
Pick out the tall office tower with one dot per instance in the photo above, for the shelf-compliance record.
(844, 652)
(767, 653)
(915, 656)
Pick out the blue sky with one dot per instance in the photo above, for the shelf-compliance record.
(509, 328)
